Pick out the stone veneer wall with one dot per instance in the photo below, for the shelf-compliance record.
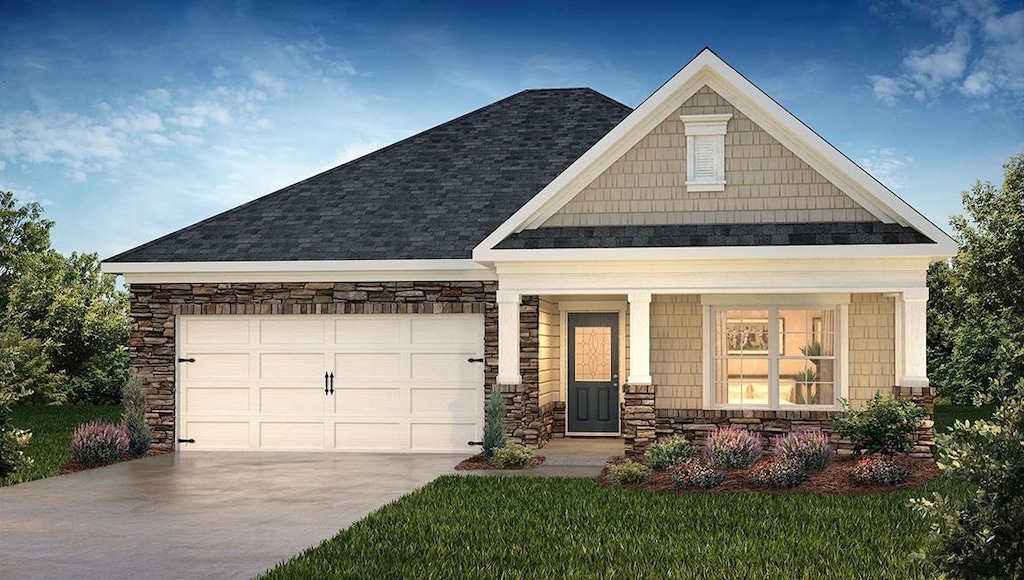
(155, 306)
(525, 420)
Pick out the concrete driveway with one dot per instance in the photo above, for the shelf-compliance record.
(196, 515)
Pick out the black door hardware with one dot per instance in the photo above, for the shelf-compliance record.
(186, 360)
(186, 440)
(477, 443)
(332, 383)
(326, 392)
(474, 360)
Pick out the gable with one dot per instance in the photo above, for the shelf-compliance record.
(765, 181)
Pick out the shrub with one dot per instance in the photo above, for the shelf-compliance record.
(628, 472)
(669, 452)
(879, 470)
(695, 473)
(494, 432)
(732, 447)
(808, 449)
(134, 400)
(512, 457)
(14, 386)
(99, 442)
(884, 425)
(100, 381)
(778, 473)
(981, 534)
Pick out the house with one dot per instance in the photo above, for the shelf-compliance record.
(705, 259)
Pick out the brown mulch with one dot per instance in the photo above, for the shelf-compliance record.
(834, 479)
(74, 466)
(478, 461)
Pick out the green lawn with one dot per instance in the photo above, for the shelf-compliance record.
(51, 427)
(520, 527)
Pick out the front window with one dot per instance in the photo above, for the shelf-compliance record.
(776, 358)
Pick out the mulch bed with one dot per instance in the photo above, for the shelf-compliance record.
(74, 466)
(478, 461)
(834, 479)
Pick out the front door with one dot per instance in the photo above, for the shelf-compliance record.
(593, 372)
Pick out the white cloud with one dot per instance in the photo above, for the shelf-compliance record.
(887, 166)
(982, 58)
(267, 81)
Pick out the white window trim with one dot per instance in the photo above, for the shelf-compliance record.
(710, 302)
(711, 128)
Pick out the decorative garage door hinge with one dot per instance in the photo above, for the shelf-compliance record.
(186, 360)
(475, 360)
(186, 440)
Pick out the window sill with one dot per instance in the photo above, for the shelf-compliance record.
(705, 186)
(794, 409)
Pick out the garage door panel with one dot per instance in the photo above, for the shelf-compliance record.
(368, 367)
(217, 434)
(294, 366)
(217, 400)
(375, 402)
(368, 330)
(446, 368)
(291, 401)
(456, 402)
(202, 331)
(443, 436)
(217, 366)
(445, 330)
(291, 435)
(371, 436)
(284, 330)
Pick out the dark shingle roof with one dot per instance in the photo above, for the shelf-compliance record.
(719, 235)
(434, 195)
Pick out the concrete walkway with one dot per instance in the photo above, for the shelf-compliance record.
(196, 515)
(567, 457)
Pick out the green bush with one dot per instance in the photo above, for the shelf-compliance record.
(884, 425)
(512, 457)
(695, 473)
(133, 398)
(494, 431)
(100, 381)
(99, 442)
(628, 472)
(732, 448)
(981, 535)
(668, 452)
(879, 470)
(778, 473)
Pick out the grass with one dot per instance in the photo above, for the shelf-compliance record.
(521, 527)
(51, 426)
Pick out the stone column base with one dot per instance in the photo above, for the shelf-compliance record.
(639, 421)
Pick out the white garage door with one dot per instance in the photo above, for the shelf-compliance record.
(400, 382)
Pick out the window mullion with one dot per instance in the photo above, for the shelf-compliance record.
(773, 358)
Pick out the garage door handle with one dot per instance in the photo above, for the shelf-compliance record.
(326, 392)
(332, 383)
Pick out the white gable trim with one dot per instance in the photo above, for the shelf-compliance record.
(708, 69)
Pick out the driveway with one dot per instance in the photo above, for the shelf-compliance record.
(196, 515)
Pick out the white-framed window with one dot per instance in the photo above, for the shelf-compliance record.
(784, 357)
(705, 151)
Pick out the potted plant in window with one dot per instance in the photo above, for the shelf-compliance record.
(806, 392)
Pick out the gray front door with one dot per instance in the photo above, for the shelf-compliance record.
(593, 372)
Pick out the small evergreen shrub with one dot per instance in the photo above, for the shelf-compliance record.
(99, 442)
(628, 472)
(778, 473)
(668, 452)
(512, 457)
(810, 450)
(731, 448)
(877, 469)
(134, 400)
(884, 425)
(494, 432)
(695, 473)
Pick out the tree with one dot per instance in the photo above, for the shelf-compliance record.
(978, 297)
(23, 233)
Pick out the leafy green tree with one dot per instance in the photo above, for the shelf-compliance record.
(22, 366)
(23, 233)
(981, 535)
(978, 297)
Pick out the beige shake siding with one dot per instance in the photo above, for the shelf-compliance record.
(765, 182)
(677, 349)
(549, 362)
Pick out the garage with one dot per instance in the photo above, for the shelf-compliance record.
(381, 382)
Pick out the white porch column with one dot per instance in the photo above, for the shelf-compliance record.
(508, 338)
(639, 338)
(912, 329)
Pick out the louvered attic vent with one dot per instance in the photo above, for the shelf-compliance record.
(705, 151)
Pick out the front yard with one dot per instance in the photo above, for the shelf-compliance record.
(522, 527)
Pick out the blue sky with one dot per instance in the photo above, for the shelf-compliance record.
(130, 120)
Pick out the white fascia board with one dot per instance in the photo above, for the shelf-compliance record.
(931, 252)
(302, 271)
(707, 68)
